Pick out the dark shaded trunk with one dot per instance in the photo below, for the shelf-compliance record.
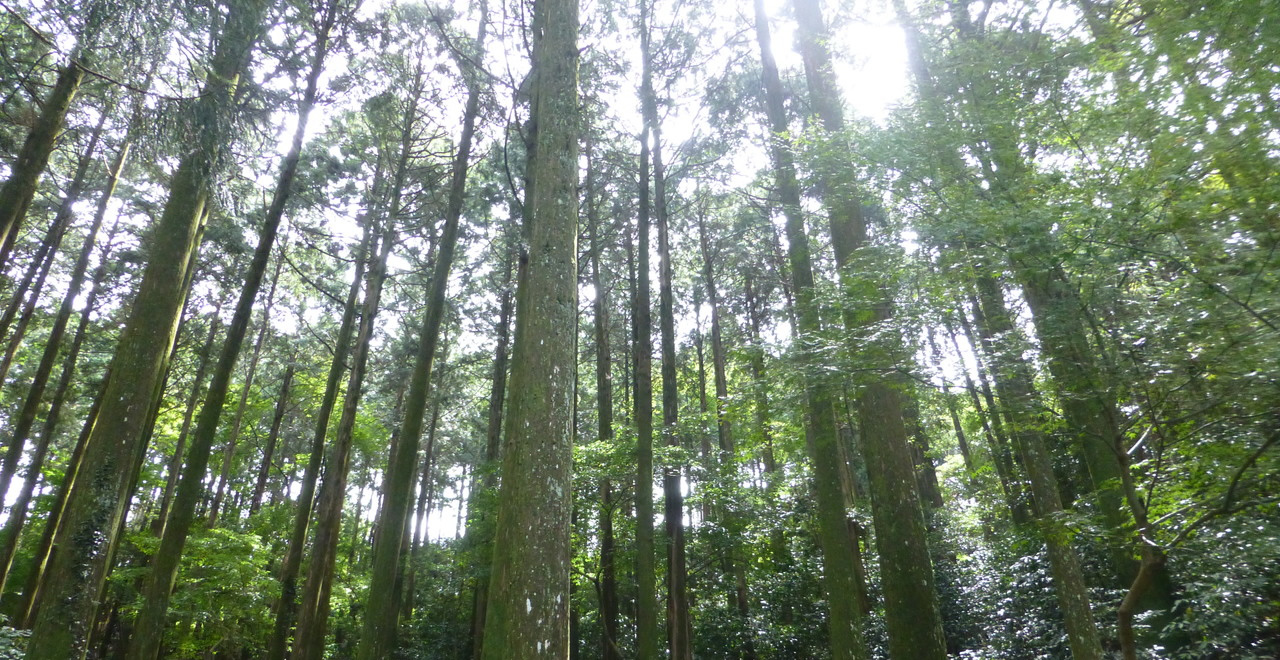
(20, 189)
(174, 468)
(642, 356)
(246, 389)
(482, 521)
(679, 620)
(273, 436)
(822, 437)
(381, 616)
(609, 649)
(287, 607)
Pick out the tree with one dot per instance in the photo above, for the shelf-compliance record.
(529, 593)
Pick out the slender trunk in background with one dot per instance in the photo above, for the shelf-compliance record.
(313, 612)
(20, 189)
(609, 649)
(839, 574)
(642, 356)
(174, 469)
(150, 624)
(273, 436)
(426, 483)
(381, 615)
(40, 558)
(98, 499)
(47, 254)
(529, 592)
(679, 620)
(287, 606)
(1006, 466)
(1014, 382)
(482, 520)
(727, 464)
(246, 389)
(48, 360)
(42, 263)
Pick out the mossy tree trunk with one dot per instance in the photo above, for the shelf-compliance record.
(529, 592)
(98, 499)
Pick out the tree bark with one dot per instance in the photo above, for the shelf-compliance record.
(529, 592)
(313, 612)
(273, 436)
(482, 523)
(642, 356)
(679, 621)
(820, 424)
(287, 607)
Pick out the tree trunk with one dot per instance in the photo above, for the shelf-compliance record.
(482, 523)
(609, 649)
(313, 613)
(642, 355)
(98, 500)
(1014, 382)
(150, 624)
(529, 592)
(679, 621)
(264, 470)
(820, 424)
(237, 422)
(174, 469)
(287, 606)
(40, 560)
(381, 616)
(40, 380)
(20, 189)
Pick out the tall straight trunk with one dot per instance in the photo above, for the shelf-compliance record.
(287, 606)
(37, 576)
(918, 443)
(1014, 382)
(36, 265)
(174, 468)
(728, 461)
(1006, 466)
(839, 573)
(38, 273)
(313, 612)
(150, 624)
(482, 521)
(39, 561)
(609, 649)
(20, 189)
(679, 621)
(529, 592)
(426, 483)
(273, 437)
(912, 614)
(97, 501)
(48, 360)
(642, 356)
(237, 422)
(383, 603)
